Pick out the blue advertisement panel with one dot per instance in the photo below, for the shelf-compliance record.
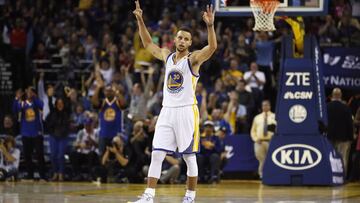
(240, 153)
(299, 153)
(341, 67)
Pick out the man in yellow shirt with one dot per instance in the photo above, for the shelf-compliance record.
(262, 130)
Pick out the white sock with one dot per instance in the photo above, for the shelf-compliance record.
(150, 191)
(190, 193)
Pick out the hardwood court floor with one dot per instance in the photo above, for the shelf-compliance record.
(227, 192)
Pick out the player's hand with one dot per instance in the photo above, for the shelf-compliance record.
(137, 12)
(209, 15)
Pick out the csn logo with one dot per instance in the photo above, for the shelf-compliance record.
(296, 157)
(298, 95)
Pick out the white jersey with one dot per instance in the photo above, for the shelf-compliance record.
(180, 83)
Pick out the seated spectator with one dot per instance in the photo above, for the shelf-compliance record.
(9, 159)
(8, 126)
(58, 123)
(116, 164)
(170, 169)
(209, 156)
(86, 149)
(221, 133)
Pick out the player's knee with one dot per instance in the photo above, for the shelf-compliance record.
(192, 169)
(158, 156)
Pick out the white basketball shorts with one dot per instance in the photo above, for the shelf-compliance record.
(177, 128)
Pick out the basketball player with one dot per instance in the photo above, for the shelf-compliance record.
(178, 123)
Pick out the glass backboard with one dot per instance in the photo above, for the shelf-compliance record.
(286, 8)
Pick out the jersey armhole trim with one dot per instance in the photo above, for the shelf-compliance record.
(188, 60)
(167, 58)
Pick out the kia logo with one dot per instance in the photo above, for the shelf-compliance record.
(296, 156)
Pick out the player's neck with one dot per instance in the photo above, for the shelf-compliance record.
(180, 54)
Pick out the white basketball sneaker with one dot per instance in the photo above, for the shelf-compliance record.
(145, 198)
(188, 200)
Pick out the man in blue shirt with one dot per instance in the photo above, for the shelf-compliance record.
(28, 108)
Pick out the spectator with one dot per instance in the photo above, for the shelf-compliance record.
(209, 156)
(29, 110)
(170, 169)
(340, 125)
(138, 143)
(111, 116)
(8, 127)
(236, 114)
(117, 165)
(217, 117)
(58, 123)
(246, 99)
(328, 32)
(262, 130)
(255, 80)
(47, 97)
(355, 172)
(86, 149)
(78, 118)
(221, 133)
(9, 159)
(140, 94)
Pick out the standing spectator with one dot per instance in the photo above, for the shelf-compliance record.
(58, 123)
(18, 45)
(31, 129)
(9, 158)
(8, 126)
(217, 117)
(209, 156)
(140, 94)
(138, 142)
(262, 131)
(86, 149)
(246, 99)
(340, 125)
(355, 172)
(111, 115)
(255, 79)
(47, 97)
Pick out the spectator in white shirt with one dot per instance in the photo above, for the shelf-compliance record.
(255, 78)
(86, 149)
(262, 130)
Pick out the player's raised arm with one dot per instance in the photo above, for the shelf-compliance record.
(198, 57)
(145, 36)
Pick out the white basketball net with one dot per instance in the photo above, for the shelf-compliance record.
(264, 11)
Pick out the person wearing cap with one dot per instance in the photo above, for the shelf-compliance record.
(262, 130)
(28, 108)
(86, 149)
(209, 156)
(111, 115)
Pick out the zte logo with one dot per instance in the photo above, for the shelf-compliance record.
(297, 79)
(296, 157)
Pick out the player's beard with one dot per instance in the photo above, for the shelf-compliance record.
(178, 49)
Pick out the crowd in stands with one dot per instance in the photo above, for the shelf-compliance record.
(104, 99)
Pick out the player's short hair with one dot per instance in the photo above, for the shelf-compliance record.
(186, 29)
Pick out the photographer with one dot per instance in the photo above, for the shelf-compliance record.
(9, 158)
(116, 164)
